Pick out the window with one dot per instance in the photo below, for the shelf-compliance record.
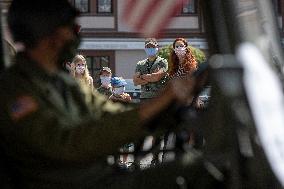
(95, 63)
(104, 6)
(100, 7)
(82, 5)
(189, 7)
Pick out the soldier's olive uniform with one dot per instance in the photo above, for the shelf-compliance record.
(105, 91)
(54, 137)
(151, 90)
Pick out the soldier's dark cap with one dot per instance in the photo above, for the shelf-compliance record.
(107, 69)
(152, 41)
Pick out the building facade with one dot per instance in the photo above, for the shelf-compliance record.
(108, 41)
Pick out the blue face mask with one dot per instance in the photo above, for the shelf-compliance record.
(151, 51)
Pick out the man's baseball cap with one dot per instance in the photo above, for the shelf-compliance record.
(152, 41)
(118, 82)
(107, 69)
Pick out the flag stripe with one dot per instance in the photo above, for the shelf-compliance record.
(138, 11)
(128, 8)
(149, 17)
(153, 8)
(162, 18)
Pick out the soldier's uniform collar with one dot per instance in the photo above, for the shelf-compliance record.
(148, 60)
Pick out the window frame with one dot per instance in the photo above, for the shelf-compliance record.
(182, 13)
(99, 53)
(94, 8)
(89, 11)
(105, 13)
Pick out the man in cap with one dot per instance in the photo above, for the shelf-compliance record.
(105, 77)
(151, 73)
(51, 136)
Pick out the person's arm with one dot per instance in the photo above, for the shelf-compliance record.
(127, 97)
(138, 80)
(159, 73)
(91, 83)
(154, 77)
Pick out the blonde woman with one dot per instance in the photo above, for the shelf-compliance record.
(81, 72)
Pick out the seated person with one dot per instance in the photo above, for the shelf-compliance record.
(118, 90)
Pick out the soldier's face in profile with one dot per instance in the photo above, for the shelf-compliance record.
(68, 39)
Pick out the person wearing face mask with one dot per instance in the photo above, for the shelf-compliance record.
(118, 90)
(151, 73)
(105, 77)
(81, 73)
(182, 61)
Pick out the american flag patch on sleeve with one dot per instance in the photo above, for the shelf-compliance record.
(23, 106)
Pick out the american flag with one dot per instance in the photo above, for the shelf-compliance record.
(150, 17)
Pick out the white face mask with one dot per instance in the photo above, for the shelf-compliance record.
(180, 51)
(119, 90)
(80, 69)
(105, 80)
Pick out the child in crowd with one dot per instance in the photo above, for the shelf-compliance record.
(118, 90)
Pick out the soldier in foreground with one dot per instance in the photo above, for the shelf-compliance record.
(51, 136)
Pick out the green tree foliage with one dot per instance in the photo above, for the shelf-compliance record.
(198, 54)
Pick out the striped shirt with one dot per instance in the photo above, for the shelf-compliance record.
(181, 72)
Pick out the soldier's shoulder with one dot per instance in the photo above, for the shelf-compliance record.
(161, 59)
(142, 62)
(16, 96)
(68, 78)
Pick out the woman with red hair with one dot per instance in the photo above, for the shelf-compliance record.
(181, 60)
(183, 63)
